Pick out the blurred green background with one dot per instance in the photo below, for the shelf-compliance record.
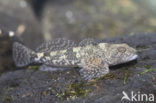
(79, 19)
(36, 21)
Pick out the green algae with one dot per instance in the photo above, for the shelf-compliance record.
(34, 67)
(126, 77)
(108, 76)
(148, 70)
(127, 73)
(76, 90)
(7, 96)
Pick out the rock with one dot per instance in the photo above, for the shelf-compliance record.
(16, 15)
(34, 86)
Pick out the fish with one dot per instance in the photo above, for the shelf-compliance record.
(93, 58)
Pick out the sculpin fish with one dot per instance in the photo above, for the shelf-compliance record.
(93, 58)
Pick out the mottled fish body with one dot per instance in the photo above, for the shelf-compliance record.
(93, 58)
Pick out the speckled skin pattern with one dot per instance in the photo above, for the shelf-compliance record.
(93, 58)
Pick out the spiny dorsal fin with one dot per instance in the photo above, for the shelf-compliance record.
(88, 41)
(56, 44)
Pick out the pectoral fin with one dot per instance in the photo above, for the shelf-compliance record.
(93, 68)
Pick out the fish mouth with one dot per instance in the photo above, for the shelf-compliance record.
(133, 58)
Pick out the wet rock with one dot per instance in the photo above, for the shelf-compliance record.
(17, 15)
(34, 86)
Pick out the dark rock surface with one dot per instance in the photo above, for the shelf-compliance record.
(16, 15)
(30, 85)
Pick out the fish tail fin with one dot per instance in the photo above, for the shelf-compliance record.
(21, 55)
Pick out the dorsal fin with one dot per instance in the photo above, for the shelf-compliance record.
(88, 41)
(56, 44)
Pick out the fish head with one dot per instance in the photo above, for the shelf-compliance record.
(119, 53)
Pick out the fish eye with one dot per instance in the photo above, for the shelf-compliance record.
(121, 49)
